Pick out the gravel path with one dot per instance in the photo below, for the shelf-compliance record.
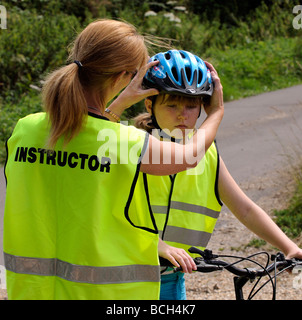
(231, 237)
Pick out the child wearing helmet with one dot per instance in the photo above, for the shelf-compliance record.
(186, 205)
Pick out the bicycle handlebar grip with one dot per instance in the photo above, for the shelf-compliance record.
(165, 262)
(208, 268)
(195, 250)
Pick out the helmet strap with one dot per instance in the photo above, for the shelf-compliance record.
(161, 134)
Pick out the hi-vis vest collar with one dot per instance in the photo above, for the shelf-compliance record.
(67, 231)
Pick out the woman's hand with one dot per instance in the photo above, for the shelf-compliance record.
(134, 92)
(215, 102)
(178, 257)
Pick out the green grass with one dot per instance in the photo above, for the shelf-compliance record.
(290, 219)
(10, 112)
(256, 243)
(258, 67)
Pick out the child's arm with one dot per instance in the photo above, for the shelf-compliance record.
(252, 216)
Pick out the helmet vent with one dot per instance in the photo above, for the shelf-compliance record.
(174, 72)
(199, 76)
(188, 73)
(167, 56)
(182, 54)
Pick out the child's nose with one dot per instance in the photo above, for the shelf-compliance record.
(182, 114)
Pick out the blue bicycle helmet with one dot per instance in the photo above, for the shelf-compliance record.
(179, 72)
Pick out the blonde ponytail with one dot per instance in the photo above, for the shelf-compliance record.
(104, 49)
(143, 121)
(64, 102)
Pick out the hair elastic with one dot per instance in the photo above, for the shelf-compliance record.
(78, 63)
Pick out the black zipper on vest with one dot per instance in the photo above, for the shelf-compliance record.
(169, 204)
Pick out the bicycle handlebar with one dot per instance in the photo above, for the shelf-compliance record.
(247, 272)
(208, 263)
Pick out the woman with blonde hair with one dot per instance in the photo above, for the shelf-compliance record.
(68, 235)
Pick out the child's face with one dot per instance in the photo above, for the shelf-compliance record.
(176, 115)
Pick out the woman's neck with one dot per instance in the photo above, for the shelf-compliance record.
(93, 103)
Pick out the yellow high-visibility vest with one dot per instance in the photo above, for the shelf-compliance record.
(186, 205)
(67, 232)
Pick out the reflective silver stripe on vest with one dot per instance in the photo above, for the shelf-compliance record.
(194, 208)
(186, 207)
(159, 209)
(78, 273)
(187, 236)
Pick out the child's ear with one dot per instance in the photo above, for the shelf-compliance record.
(148, 105)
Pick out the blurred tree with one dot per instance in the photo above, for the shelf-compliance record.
(76, 8)
(231, 11)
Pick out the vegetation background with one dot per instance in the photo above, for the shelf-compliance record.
(252, 44)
